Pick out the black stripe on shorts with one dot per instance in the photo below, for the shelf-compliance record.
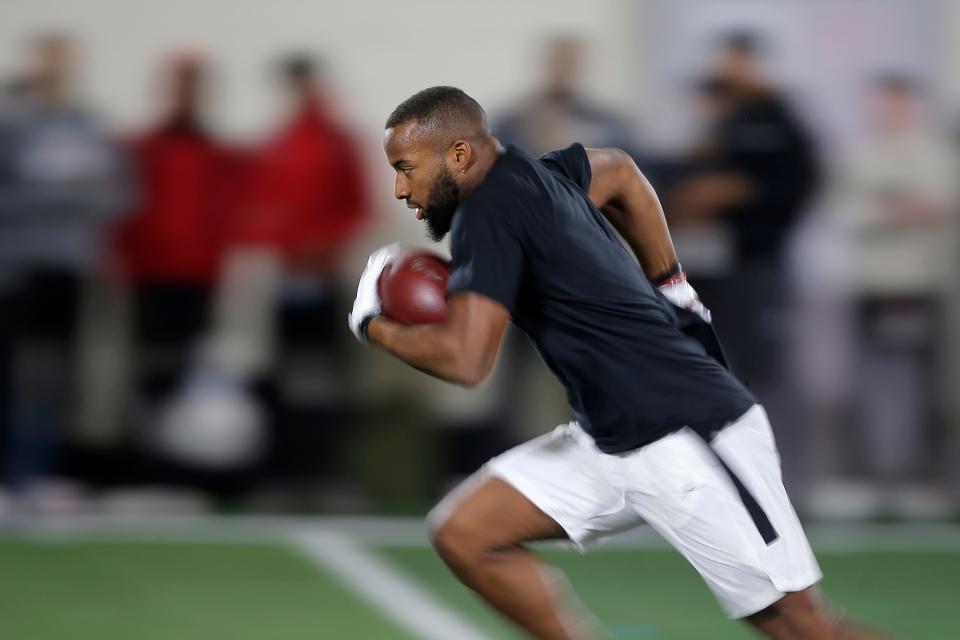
(757, 514)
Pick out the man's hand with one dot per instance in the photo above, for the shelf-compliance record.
(693, 317)
(366, 307)
(680, 293)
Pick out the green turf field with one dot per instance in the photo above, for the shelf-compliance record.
(656, 594)
(54, 591)
(150, 591)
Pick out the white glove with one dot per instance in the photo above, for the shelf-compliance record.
(367, 304)
(679, 292)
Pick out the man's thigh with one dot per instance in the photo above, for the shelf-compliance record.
(555, 486)
(494, 514)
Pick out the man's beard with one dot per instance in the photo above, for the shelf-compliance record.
(441, 205)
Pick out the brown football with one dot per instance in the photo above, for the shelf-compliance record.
(413, 287)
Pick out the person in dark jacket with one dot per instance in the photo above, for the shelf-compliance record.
(741, 191)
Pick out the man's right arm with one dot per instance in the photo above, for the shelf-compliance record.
(627, 199)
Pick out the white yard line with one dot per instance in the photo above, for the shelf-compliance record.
(335, 545)
(382, 586)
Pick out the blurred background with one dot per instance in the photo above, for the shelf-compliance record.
(189, 190)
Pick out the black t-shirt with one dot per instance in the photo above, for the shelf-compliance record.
(530, 238)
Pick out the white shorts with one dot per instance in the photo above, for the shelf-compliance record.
(745, 541)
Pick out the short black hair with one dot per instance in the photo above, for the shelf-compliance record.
(445, 108)
(48, 39)
(299, 67)
(712, 86)
(897, 82)
(749, 43)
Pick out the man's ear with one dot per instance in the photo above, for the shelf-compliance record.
(460, 156)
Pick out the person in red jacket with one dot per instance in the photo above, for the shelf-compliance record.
(170, 247)
(306, 198)
(187, 187)
(303, 203)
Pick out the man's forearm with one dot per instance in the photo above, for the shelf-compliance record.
(427, 347)
(638, 217)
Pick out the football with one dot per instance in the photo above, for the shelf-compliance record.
(413, 287)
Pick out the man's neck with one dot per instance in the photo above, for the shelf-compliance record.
(486, 158)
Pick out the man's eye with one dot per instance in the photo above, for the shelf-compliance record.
(406, 170)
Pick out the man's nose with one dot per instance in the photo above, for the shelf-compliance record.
(401, 191)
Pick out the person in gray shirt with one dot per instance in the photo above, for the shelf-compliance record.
(61, 184)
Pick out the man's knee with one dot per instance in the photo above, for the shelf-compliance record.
(452, 525)
(798, 615)
(484, 519)
(455, 541)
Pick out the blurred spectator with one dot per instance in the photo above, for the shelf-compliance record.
(188, 188)
(170, 248)
(307, 197)
(754, 168)
(732, 206)
(61, 181)
(899, 199)
(558, 113)
(306, 201)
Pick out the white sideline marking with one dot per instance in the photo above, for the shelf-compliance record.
(385, 588)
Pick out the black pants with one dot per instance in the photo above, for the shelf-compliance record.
(896, 400)
(37, 342)
(168, 321)
(751, 313)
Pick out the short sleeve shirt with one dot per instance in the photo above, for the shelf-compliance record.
(530, 238)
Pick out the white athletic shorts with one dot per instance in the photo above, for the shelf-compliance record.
(722, 505)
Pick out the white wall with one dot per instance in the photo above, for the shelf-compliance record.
(379, 51)
(951, 38)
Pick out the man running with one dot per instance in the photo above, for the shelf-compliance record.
(661, 433)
